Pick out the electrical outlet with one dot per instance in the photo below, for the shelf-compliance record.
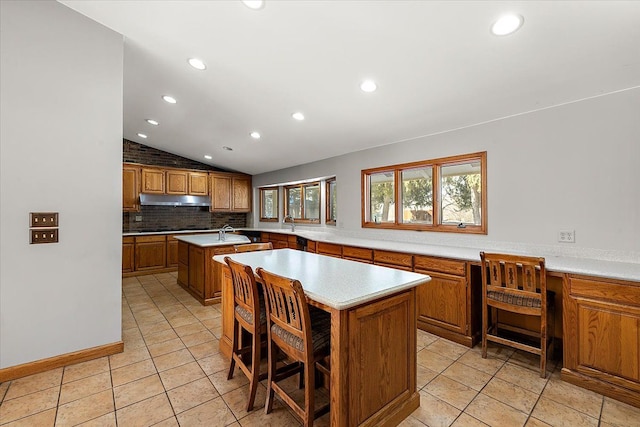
(138, 218)
(567, 236)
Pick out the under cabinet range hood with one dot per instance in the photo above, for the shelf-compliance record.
(173, 200)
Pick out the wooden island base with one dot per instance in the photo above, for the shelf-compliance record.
(373, 357)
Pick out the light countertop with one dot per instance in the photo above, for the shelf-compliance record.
(334, 282)
(211, 239)
(558, 264)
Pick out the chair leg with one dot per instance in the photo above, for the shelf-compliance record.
(485, 325)
(271, 372)
(234, 348)
(255, 369)
(309, 393)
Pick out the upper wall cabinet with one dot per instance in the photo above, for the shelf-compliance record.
(130, 188)
(153, 181)
(174, 181)
(230, 192)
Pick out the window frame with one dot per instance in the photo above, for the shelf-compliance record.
(327, 192)
(302, 187)
(277, 207)
(436, 165)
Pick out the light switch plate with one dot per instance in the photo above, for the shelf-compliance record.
(44, 235)
(43, 219)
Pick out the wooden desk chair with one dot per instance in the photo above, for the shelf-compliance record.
(517, 284)
(250, 247)
(302, 333)
(248, 314)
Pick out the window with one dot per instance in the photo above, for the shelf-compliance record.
(331, 209)
(303, 202)
(447, 194)
(269, 204)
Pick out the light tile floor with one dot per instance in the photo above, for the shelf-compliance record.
(171, 374)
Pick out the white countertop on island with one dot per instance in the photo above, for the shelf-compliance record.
(211, 239)
(334, 282)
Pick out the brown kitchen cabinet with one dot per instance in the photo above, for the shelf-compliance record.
(357, 254)
(128, 251)
(330, 249)
(198, 183)
(445, 305)
(198, 274)
(230, 192)
(176, 181)
(172, 251)
(391, 259)
(130, 188)
(153, 180)
(150, 252)
(601, 345)
(280, 241)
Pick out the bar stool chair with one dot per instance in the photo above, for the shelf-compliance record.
(250, 247)
(303, 334)
(249, 314)
(516, 284)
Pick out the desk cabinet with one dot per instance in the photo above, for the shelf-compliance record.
(602, 336)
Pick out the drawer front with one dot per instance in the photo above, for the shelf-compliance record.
(149, 239)
(128, 240)
(224, 250)
(396, 259)
(357, 253)
(457, 268)
(608, 290)
(329, 249)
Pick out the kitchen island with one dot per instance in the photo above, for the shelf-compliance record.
(373, 330)
(197, 273)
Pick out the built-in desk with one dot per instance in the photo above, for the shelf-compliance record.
(373, 330)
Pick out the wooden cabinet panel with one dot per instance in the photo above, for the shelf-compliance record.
(172, 251)
(357, 254)
(198, 184)
(230, 192)
(241, 194)
(220, 193)
(227, 311)
(183, 264)
(197, 264)
(153, 181)
(130, 188)
(393, 259)
(150, 252)
(427, 263)
(311, 246)
(176, 181)
(128, 251)
(330, 249)
(601, 336)
(443, 301)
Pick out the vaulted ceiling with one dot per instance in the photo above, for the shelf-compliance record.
(436, 64)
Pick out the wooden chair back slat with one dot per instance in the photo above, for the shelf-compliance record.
(511, 275)
(525, 274)
(251, 247)
(245, 291)
(529, 282)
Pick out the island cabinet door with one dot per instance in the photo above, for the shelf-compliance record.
(183, 264)
(196, 270)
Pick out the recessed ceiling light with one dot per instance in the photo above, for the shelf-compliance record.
(152, 122)
(368, 86)
(507, 24)
(254, 4)
(198, 64)
(208, 157)
(298, 116)
(169, 99)
(142, 135)
(255, 135)
(227, 148)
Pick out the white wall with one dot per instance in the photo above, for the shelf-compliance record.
(571, 167)
(61, 150)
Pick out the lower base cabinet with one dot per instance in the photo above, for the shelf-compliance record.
(150, 253)
(128, 251)
(602, 336)
(447, 304)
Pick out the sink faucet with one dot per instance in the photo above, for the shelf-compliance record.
(223, 230)
(293, 225)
